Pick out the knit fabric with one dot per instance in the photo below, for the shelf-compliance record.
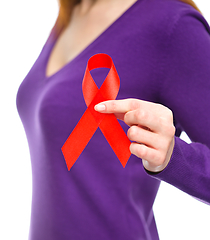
(161, 50)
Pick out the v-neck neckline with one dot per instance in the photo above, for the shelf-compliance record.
(97, 39)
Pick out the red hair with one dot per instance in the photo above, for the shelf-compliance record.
(66, 6)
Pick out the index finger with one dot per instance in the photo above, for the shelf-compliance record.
(117, 106)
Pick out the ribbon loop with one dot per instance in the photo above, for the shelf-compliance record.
(91, 119)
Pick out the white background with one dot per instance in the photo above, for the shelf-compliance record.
(24, 28)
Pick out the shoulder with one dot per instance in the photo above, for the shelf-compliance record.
(163, 16)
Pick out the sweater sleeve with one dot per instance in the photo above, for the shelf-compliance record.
(185, 89)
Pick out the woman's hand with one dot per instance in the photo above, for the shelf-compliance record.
(151, 129)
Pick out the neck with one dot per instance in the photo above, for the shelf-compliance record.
(86, 5)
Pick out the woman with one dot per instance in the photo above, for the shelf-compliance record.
(161, 49)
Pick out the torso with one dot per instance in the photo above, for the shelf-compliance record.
(70, 204)
(73, 40)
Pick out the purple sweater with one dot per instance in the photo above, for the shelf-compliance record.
(161, 50)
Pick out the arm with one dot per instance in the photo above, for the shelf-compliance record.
(187, 73)
(185, 90)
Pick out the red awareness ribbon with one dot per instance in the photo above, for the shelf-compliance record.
(92, 119)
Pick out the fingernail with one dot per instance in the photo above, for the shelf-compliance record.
(100, 107)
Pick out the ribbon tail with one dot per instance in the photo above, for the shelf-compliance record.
(116, 138)
(79, 138)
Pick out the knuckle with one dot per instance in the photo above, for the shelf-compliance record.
(169, 116)
(153, 155)
(142, 152)
(138, 150)
(171, 130)
(132, 133)
(167, 125)
(160, 159)
(141, 115)
(112, 106)
(134, 104)
(126, 118)
(163, 121)
(166, 116)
